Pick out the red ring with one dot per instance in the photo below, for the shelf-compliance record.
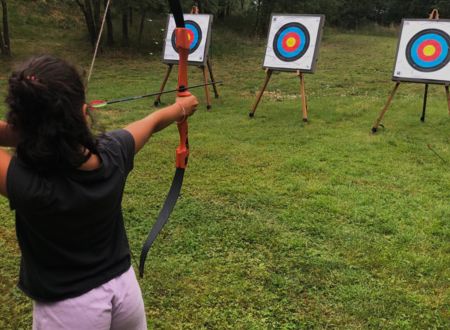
(287, 37)
(426, 43)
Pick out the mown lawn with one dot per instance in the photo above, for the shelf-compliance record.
(281, 225)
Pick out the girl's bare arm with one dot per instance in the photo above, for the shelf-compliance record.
(143, 129)
(8, 137)
(5, 160)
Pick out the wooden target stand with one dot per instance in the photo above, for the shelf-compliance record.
(269, 73)
(205, 69)
(433, 16)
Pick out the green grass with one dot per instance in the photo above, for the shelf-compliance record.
(281, 225)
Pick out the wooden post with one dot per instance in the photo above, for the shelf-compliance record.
(386, 107)
(195, 9)
(425, 98)
(163, 85)
(205, 78)
(261, 92)
(304, 99)
(216, 93)
(434, 14)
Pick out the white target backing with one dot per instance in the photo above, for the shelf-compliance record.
(293, 42)
(199, 26)
(423, 53)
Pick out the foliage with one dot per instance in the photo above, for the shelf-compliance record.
(255, 13)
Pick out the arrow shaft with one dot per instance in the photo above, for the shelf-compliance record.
(133, 98)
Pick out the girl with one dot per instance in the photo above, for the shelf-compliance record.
(66, 188)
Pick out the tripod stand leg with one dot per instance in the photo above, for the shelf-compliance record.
(447, 92)
(304, 99)
(216, 92)
(163, 85)
(261, 92)
(425, 99)
(208, 98)
(386, 107)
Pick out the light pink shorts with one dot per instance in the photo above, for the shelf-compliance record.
(115, 305)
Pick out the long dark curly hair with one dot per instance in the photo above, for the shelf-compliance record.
(45, 98)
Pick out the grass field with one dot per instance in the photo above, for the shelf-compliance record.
(281, 225)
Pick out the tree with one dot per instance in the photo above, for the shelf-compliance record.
(109, 26)
(125, 37)
(250, 16)
(4, 36)
(264, 9)
(143, 8)
(86, 7)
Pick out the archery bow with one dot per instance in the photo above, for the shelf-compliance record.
(182, 154)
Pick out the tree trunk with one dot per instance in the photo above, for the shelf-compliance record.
(221, 10)
(2, 44)
(258, 16)
(109, 26)
(6, 47)
(125, 38)
(130, 13)
(141, 26)
(97, 16)
(86, 8)
(228, 10)
(90, 22)
(264, 9)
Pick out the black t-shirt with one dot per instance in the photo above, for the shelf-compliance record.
(70, 227)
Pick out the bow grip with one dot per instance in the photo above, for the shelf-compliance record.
(183, 47)
(183, 148)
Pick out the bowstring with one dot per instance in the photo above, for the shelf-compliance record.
(91, 69)
(98, 43)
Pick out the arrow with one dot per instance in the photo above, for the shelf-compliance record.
(439, 156)
(96, 104)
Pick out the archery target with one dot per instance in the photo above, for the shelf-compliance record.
(199, 33)
(194, 35)
(293, 42)
(423, 52)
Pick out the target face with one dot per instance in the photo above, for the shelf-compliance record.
(293, 42)
(424, 52)
(428, 50)
(199, 34)
(194, 36)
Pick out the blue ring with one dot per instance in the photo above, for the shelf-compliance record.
(194, 30)
(299, 49)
